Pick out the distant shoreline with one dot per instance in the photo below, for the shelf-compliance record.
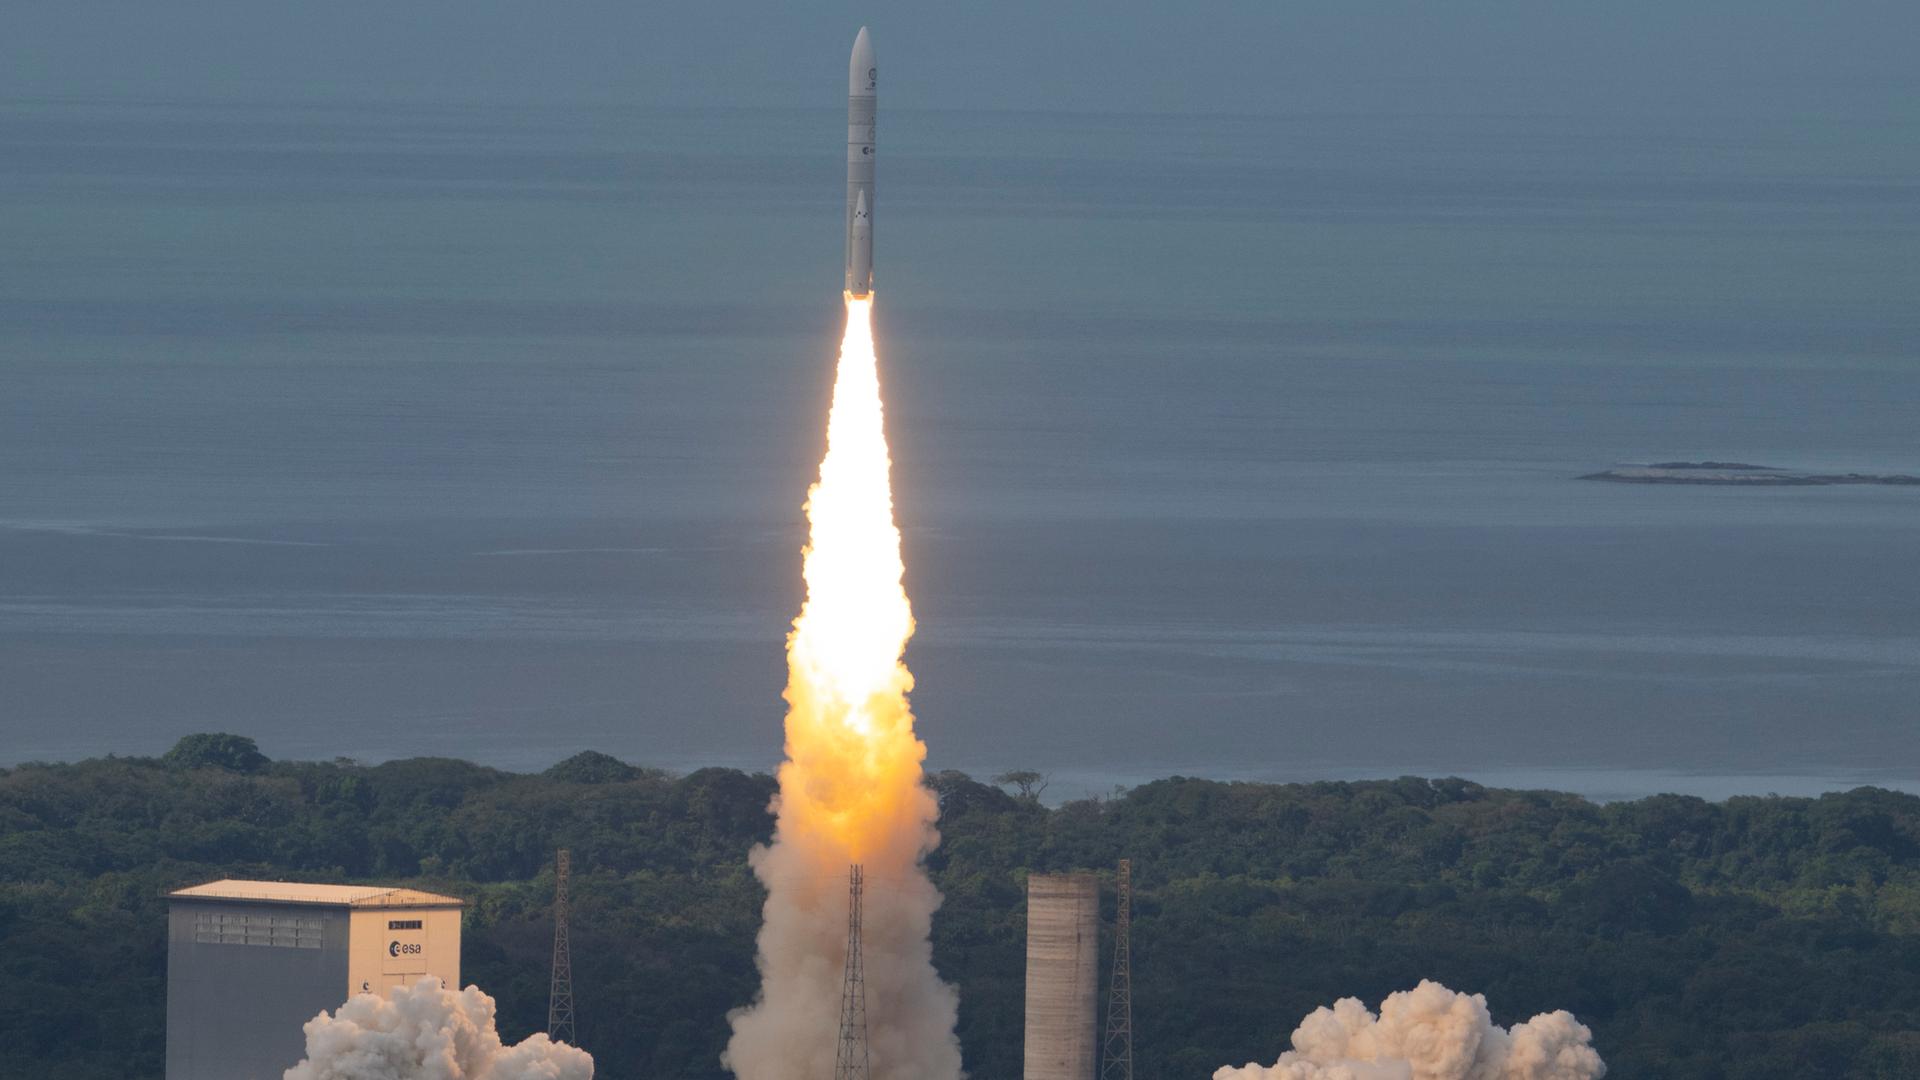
(1738, 474)
(1598, 784)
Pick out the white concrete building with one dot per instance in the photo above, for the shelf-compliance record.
(250, 962)
(1063, 952)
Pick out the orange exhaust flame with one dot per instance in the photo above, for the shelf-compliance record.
(850, 788)
(853, 763)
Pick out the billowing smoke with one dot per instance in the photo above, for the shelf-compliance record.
(427, 1032)
(850, 789)
(1429, 1033)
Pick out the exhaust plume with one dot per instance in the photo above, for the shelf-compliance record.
(427, 1032)
(850, 788)
(1429, 1033)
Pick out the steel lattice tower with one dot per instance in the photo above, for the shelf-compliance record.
(560, 996)
(850, 1061)
(1116, 1054)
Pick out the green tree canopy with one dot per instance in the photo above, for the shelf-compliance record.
(592, 767)
(1752, 938)
(216, 750)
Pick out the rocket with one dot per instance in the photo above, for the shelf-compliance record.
(860, 103)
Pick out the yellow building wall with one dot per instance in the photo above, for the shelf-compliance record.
(395, 946)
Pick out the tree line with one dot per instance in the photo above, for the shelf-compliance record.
(1754, 938)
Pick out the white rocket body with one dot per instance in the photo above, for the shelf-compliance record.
(861, 82)
(860, 254)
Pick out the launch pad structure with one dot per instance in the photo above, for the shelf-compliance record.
(1116, 1053)
(1062, 1039)
(250, 962)
(851, 1060)
(1063, 977)
(560, 990)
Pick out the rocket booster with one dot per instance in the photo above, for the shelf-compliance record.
(860, 117)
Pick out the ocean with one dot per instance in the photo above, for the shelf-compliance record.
(1224, 446)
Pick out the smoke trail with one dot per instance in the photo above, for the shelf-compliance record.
(850, 789)
(1429, 1033)
(427, 1032)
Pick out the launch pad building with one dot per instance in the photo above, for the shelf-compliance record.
(250, 962)
(1063, 952)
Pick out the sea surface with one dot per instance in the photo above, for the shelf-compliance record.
(1224, 446)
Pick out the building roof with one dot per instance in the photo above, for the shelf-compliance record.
(293, 892)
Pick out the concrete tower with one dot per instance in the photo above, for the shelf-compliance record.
(1063, 952)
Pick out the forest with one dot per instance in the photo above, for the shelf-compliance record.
(1754, 938)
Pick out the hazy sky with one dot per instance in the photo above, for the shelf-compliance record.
(1126, 55)
(1225, 444)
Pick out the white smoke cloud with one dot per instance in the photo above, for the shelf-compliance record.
(1429, 1033)
(427, 1032)
(791, 1030)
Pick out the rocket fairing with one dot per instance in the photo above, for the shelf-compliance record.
(860, 116)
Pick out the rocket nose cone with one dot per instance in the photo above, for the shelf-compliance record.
(860, 69)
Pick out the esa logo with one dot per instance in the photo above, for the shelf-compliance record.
(402, 949)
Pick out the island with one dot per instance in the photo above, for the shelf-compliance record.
(1737, 474)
